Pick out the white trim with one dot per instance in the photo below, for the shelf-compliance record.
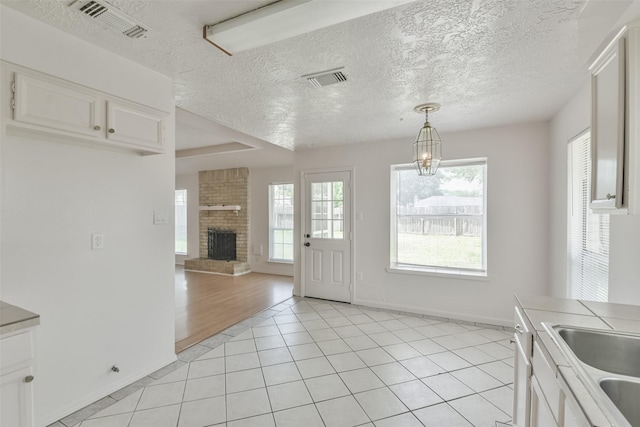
(453, 316)
(439, 272)
(280, 261)
(104, 391)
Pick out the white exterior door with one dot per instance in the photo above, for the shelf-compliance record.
(327, 235)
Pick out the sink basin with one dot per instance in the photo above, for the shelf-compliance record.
(608, 351)
(626, 396)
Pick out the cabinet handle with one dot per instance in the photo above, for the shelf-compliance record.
(610, 196)
(307, 244)
(519, 329)
(96, 127)
(112, 130)
(28, 378)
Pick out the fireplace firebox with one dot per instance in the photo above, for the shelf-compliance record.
(221, 244)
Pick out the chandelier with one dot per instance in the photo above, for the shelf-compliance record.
(427, 150)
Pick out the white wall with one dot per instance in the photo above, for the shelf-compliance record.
(259, 180)
(98, 308)
(569, 122)
(190, 183)
(624, 241)
(517, 222)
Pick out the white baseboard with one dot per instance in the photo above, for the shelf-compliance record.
(103, 392)
(438, 313)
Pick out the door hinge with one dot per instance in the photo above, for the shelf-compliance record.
(13, 97)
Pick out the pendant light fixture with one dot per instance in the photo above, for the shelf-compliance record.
(427, 150)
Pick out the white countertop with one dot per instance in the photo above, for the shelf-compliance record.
(586, 314)
(13, 318)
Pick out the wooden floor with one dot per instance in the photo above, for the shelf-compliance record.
(209, 303)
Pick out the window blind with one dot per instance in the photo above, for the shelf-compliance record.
(588, 258)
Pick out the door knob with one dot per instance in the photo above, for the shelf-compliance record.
(307, 244)
(28, 378)
(307, 235)
(112, 130)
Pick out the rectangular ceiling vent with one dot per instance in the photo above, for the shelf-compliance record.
(326, 78)
(112, 17)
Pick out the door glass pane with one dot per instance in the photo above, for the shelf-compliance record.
(316, 191)
(327, 210)
(338, 229)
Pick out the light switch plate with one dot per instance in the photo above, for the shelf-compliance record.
(160, 217)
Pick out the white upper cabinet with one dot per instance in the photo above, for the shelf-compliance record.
(615, 125)
(55, 106)
(134, 125)
(64, 111)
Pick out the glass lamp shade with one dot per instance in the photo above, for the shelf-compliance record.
(427, 150)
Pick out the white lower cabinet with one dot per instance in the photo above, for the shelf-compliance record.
(570, 418)
(521, 385)
(16, 398)
(16, 379)
(541, 414)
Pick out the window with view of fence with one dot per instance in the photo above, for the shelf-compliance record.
(439, 221)
(181, 222)
(281, 222)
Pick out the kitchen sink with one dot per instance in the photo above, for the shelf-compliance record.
(608, 364)
(608, 351)
(625, 395)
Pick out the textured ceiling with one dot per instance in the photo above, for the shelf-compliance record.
(488, 62)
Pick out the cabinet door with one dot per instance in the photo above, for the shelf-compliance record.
(16, 399)
(607, 127)
(55, 106)
(135, 126)
(521, 387)
(541, 415)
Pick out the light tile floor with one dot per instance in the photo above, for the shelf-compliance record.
(309, 363)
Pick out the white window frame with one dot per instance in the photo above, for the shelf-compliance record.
(395, 267)
(186, 224)
(272, 228)
(587, 232)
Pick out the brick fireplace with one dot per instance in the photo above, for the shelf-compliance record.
(221, 189)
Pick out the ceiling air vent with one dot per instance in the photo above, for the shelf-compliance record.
(326, 78)
(110, 16)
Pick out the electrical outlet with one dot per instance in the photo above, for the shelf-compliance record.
(97, 241)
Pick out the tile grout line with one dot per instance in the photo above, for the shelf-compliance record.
(312, 310)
